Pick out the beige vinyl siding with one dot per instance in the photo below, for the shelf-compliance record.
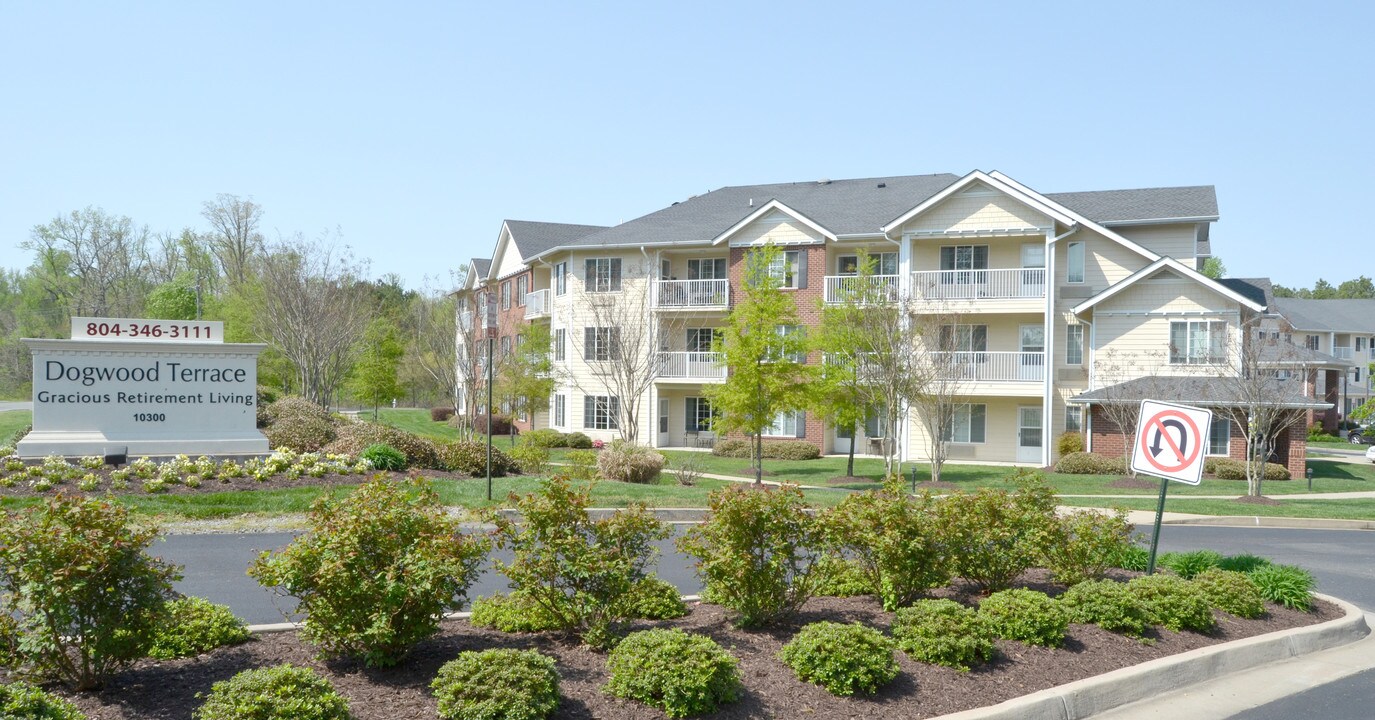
(1000, 434)
(1003, 253)
(1176, 241)
(511, 261)
(1133, 328)
(1106, 262)
(981, 210)
(776, 227)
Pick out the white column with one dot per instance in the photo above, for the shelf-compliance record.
(1049, 363)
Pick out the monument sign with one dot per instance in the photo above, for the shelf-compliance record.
(133, 387)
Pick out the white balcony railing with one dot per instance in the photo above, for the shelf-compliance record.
(979, 284)
(691, 294)
(537, 304)
(691, 366)
(1345, 353)
(840, 288)
(993, 366)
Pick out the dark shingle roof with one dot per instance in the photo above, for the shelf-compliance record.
(1202, 391)
(1110, 206)
(1257, 290)
(533, 238)
(481, 266)
(1328, 315)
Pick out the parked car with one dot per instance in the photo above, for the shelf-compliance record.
(1370, 453)
(1362, 436)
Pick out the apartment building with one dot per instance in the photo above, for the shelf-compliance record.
(1344, 329)
(1056, 295)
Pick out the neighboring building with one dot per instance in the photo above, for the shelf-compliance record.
(1342, 328)
(1058, 296)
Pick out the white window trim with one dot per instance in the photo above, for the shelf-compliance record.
(970, 425)
(1070, 251)
(1069, 332)
(769, 431)
(1209, 450)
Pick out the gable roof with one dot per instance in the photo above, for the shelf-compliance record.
(1258, 290)
(1195, 390)
(481, 266)
(1328, 315)
(1180, 269)
(1111, 207)
(770, 207)
(534, 238)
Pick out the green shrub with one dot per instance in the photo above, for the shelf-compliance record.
(9, 641)
(1228, 469)
(623, 461)
(757, 552)
(681, 674)
(582, 464)
(441, 414)
(841, 577)
(1245, 562)
(191, 626)
(377, 571)
(1287, 585)
(1173, 602)
(500, 425)
(1231, 592)
(993, 536)
(511, 613)
(547, 438)
(577, 568)
(22, 701)
(578, 441)
(302, 433)
(1069, 442)
(470, 458)
(86, 592)
(943, 632)
(1132, 557)
(384, 457)
(354, 437)
(655, 599)
(1189, 564)
(894, 539)
(844, 659)
(1109, 604)
(295, 406)
(281, 692)
(497, 685)
(530, 459)
(773, 449)
(1087, 463)
(1032, 617)
(1084, 544)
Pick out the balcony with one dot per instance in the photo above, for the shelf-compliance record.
(1010, 284)
(1017, 367)
(841, 288)
(1342, 352)
(537, 304)
(691, 294)
(691, 366)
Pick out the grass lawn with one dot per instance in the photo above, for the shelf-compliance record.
(1339, 445)
(11, 421)
(414, 420)
(1358, 509)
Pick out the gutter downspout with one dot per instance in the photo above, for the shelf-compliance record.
(1049, 332)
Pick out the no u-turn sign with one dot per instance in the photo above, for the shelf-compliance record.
(1170, 441)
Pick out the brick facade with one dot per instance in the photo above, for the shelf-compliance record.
(1291, 449)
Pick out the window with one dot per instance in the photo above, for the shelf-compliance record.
(1074, 419)
(1074, 345)
(787, 331)
(700, 339)
(847, 265)
(602, 275)
(1220, 436)
(1074, 263)
(601, 343)
(789, 268)
(561, 410)
(698, 414)
(560, 278)
(505, 345)
(964, 338)
(966, 425)
(964, 257)
(599, 412)
(1312, 342)
(1198, 342)
(506, 295)
(788, 424)
(560, 340)
(522, 287)
(883, 264)
(875, 424)
(707, 269)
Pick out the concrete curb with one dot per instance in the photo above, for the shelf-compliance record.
(1101, 693)
(1275, 522)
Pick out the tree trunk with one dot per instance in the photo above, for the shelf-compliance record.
(759, 459)
(850, 462)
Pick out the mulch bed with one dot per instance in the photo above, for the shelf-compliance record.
(1131, 483)
(276, 482)
(159, 690)
(1258, 500)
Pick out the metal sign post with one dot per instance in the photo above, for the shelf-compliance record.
(1169, 445)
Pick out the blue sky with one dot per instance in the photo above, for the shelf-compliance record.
(415, 128)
